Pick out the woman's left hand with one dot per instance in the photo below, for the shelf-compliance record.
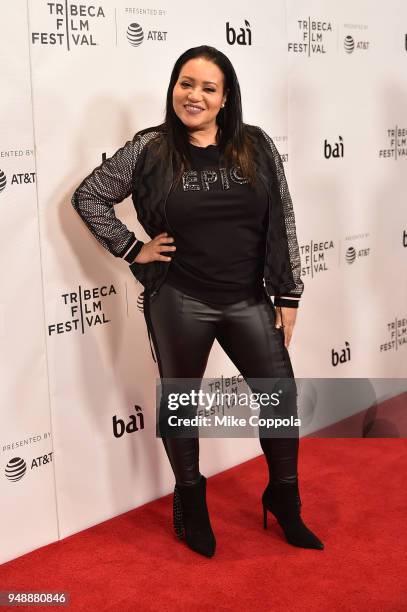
(285, 318)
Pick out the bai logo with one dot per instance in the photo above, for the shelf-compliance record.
(341, 356)
(333, 150)
(135, 423)
(243, 37)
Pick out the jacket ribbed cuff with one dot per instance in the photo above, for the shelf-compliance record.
(134, 251)
(286, 302)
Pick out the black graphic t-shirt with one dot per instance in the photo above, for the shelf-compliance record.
(219, 223)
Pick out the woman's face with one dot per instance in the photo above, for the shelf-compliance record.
(198, 94)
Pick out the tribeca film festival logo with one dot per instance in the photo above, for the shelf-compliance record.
(134, 423)
(229, 385)
(85, 309)
(314, 257)
(397, 334)
(313, 37)
(16, 467)
(73, 25)
(341, 355)
(334, 150)
(353, 253)
(397, 143)
(239, 36)
(355, 42)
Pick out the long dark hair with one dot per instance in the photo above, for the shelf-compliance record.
(233, 142)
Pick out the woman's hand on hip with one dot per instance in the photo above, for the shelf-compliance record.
(152, 251)
(285, 318)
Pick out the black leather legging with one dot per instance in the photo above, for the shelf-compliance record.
(183, 330)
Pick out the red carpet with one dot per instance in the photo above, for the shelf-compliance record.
(354, 498)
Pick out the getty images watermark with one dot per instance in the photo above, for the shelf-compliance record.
(184, 409)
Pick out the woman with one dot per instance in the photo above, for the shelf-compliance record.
(211, 192)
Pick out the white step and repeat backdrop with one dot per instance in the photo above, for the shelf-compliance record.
(327, 80)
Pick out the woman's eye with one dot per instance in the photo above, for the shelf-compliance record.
(208, 89)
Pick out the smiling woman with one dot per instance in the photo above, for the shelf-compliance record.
(198, 96)
(211, 193)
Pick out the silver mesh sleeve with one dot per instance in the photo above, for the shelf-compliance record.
(109, 184)
(289, 219)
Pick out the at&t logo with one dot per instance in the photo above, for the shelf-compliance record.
(23, 178)
(350, 46)
(351, 254)
(3, 181)
(240, 36)
(15, 469)
(135, 35)
(19, 178)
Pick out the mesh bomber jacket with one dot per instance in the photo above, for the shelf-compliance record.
(142, 168)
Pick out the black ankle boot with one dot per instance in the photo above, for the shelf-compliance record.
(283, 500)
(191, 517)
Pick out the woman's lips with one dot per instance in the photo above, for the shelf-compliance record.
(193, 110)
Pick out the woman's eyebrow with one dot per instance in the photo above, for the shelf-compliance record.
(184, 76)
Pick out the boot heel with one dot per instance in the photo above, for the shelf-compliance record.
(264, 517)
(191, 518)
(177, 519)
(284, 502)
